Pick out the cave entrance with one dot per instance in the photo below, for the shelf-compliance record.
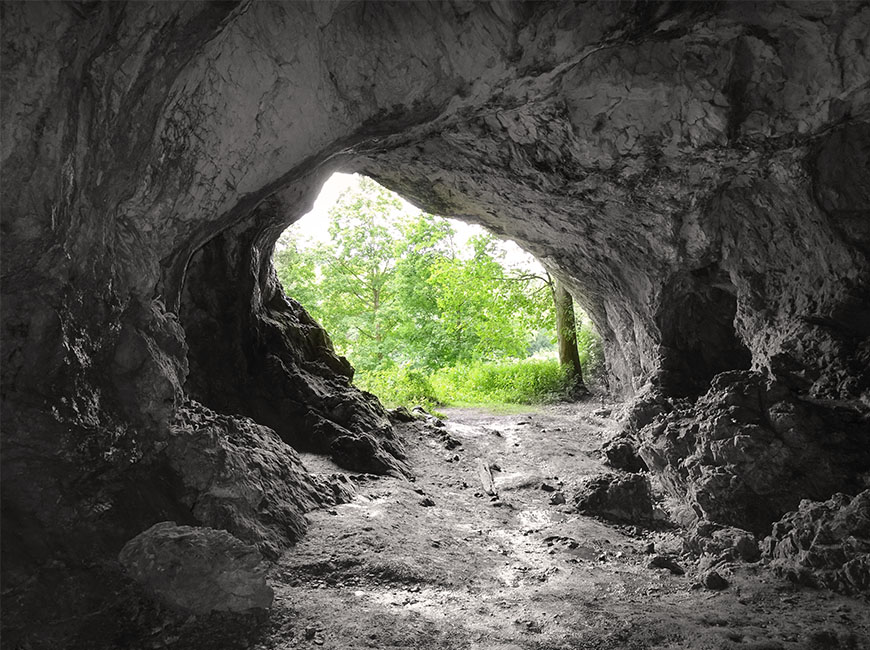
(431, 310)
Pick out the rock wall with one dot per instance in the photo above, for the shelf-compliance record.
(696, 173)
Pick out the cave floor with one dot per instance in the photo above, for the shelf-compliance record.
(436, 563)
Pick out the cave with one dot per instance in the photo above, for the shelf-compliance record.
(697, 174)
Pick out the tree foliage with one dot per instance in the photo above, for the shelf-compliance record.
(394, 289)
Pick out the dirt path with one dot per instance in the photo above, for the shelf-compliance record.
(437, 563)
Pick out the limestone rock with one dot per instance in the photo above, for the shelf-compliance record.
(197, 569)
(747, 451)
(282, 370)
(621, 453)
(623, 498)
(361, 453)
(723, 542)
(824, 544)
(712, 580)
(241, 477)
(666, 562)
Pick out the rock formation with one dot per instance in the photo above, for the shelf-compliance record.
(825, 544)
(696, 173)
(197, 569)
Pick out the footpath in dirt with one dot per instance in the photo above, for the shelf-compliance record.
(439, 563)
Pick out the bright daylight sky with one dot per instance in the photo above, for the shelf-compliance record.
(315, 224)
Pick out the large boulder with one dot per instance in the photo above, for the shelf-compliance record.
(199, 570)
(824, 544)
(240, 476)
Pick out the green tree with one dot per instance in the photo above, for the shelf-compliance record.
(357, 269)
(396, 289)
(566, 334)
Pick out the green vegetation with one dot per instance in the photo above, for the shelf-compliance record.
(423, 319)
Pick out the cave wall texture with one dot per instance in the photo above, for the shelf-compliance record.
(696, 172)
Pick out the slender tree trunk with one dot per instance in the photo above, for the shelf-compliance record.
(566, 332)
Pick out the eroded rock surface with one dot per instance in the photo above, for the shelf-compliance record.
(623, 498)
(239, 476)
(824, 544)
(747, 451)
(281, 368)
(198, 570)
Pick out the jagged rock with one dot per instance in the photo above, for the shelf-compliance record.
(619, 497)
(283, 371)
(824, 544)
(197, 569)
(361, 453)
(621, 453)
(723, 542)
(402, 414)
(747, 451)
(240, 476)
(666, 562)
(712, 580)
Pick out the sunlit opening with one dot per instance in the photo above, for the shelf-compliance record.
(428, 309)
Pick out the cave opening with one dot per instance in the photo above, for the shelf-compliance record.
(694, 173)
(418, 303)
(696, 318)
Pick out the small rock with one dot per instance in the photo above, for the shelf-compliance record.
(427, 502)
(712, 580)
(546, 487)
(665, 562)
(557, 499)
(649, 548)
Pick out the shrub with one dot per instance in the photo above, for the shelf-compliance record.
(398, 386)
(508, 382)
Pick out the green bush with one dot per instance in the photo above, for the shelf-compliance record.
(398, 386)
(509, 382)
(532, 381)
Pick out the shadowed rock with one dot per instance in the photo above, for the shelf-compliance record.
(197, 569)
(749, 449)
(623, 498)
(239, 476)
(824, 544)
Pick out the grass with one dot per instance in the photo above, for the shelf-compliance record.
(474, 384)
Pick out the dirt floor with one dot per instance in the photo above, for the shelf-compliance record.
(438, 563)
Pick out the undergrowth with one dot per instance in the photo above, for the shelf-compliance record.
(530, 381)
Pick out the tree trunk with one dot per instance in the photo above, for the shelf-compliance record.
(566, 332)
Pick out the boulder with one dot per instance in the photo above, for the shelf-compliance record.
(623, 498)
(824, 544)
(240, 476)
(362, 453)
(722, 542)
(621, 453)
(199, 570)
